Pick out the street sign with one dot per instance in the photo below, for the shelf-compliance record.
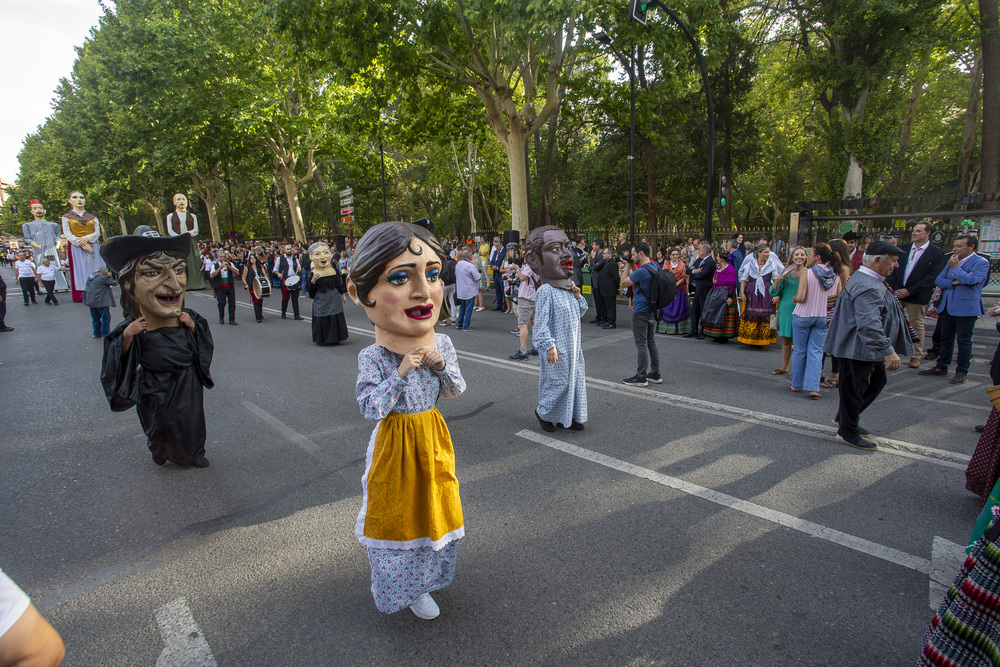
(347, 210)
(346, 192)
(233, 234)
(348, 218)
(347, 201)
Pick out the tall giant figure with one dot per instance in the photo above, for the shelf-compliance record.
(159, 358)
(562, 389)
(43, 237)
(411, 514)
(182, 222)
(82, 230)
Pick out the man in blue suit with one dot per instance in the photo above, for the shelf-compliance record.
(961, 282)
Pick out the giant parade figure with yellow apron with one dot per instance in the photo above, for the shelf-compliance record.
(411, 514)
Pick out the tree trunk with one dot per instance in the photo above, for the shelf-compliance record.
(990, 153)
(895, 188)
(121, 217)
(516, 155)
(292, 196)
(969, 133)
(204, 187)
(854, 181)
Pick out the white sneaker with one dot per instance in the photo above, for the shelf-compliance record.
(425, 607)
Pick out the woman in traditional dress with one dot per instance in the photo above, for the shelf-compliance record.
(675, 319)
(720, 318)
(254, 269)
(328, 292)
(755, 280)
(784, 288)
(83, 231)
(411, 514)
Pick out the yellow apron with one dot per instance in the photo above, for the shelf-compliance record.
(410, 490)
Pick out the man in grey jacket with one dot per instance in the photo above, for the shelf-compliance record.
(867, 333)
(98, 296)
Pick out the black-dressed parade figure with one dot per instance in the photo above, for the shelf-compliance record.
(328, 291)
(158, 359)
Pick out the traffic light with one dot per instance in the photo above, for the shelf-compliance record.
(637, 10)
(13, 209)
(723, 190)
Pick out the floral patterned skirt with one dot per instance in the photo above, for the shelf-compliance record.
(400, 576)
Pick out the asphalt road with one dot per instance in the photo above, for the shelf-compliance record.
(711, 520)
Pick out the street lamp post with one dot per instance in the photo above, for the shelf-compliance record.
(604, 39)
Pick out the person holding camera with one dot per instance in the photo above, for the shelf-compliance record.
(223, 280)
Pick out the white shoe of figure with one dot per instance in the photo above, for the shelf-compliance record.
(425, 607)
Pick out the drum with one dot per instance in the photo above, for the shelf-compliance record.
(265, 290)
(258, 289)
(292, 282)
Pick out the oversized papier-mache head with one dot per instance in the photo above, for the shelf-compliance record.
(395, 277)
(37, 209)
(152, 272)
(320, 255)
(547, 252)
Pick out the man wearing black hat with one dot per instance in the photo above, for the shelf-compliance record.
(867, 333)
(159, 358)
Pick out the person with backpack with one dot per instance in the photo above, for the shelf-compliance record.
(448, 279)
(642, 280)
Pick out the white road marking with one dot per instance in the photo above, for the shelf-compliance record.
(185, 643)
(946, 560)
(781, 518)
(284, 429)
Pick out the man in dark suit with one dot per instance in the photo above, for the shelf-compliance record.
(702, 272)
(608, 285)
(913, 281)
(596, 255)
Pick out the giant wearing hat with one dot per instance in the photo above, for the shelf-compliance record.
(159, 358)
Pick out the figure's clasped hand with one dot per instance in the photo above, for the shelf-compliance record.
(552, 356)
(186, 320)
(434, 359)
(576, 292)
(412, 359)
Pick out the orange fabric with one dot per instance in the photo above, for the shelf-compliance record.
(81, 228)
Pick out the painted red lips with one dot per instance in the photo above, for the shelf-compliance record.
(420, 312)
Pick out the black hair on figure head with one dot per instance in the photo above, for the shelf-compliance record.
(534, 243)
(380, 245)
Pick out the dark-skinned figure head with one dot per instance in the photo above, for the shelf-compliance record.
(547, 252)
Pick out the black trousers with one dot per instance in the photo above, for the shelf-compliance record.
(3, 303)
(610, 308)
(697, 307)
(860, 383)
(293, 296)
(258, 310)
(27, 289)
(222, 293)
(599, 304)
(49, 296)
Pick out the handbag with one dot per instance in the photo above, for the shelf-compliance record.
(994, 394)
(774, 321)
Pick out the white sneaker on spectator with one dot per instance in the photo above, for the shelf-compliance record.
(425, 607)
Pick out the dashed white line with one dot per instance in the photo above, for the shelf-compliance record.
(781, 518)
(284, 429)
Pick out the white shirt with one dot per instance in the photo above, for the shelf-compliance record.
(47, 272)
(13, 603)
(915, 253)
(291, 262)
(25, 268)
(189, 223)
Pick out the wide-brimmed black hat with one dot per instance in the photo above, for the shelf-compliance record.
(117, 251)
(883, 248)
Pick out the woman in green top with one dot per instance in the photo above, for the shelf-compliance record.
(783, 288)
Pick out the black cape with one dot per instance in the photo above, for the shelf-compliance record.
(163, 376)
